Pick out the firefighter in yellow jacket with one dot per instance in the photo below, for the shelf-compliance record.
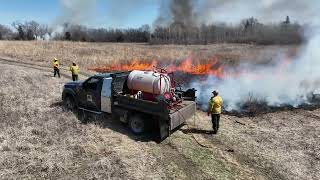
(214, 109)
(56, 65)
(74, 71)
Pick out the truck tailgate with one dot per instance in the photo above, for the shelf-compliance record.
(181, 113)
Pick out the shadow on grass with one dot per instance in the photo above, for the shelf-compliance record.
(107, 121)
(57, 104)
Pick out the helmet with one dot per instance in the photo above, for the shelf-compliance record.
(55, 59)
(215, 92)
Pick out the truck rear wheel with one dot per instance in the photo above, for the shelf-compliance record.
(137, 125)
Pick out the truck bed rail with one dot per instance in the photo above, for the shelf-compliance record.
(148, 107)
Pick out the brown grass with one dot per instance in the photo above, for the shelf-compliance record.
(39, 139)
(281, 145)
(94, 54)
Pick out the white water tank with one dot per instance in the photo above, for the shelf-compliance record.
(149, 81)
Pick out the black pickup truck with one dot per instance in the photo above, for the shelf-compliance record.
(108, 94)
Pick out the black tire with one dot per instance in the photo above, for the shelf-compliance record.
(82, 116)
(69, 103)
(137, 125)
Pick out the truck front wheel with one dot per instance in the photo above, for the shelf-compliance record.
(69, 103)
(137, 125)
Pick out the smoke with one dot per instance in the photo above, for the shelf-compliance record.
(73, 12)
(179, 12)
(182, 11)
(123, 12)
(283, 82)
(113, 12)
(266, 11)
(192, 12)
(76, 11)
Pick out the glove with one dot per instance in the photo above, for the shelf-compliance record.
(208, 113)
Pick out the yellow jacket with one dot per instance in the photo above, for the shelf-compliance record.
(56, 64)
(215, 105)
(75, 70)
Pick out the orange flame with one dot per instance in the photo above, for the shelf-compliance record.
(189, 66)
(210, 67)
(133, 65)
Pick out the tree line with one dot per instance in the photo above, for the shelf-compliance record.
(248, 31)
(29, 30)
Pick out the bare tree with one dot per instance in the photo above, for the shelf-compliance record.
(5, 32)
(32, 28)
(248, 31)
(44, 30)
(26, 31)
(20, 28)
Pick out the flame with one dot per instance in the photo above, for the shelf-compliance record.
(210, 67)
(133, 65)
(190, 66)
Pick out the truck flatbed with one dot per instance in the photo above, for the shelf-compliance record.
(181, 112)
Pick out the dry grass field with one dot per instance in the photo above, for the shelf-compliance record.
(94, 54)
(39, 139)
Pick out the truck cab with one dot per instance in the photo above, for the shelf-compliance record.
(93, 94)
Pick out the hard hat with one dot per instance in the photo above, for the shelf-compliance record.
(56, 59)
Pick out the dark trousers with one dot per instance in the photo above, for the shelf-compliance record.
(215, 118)
(74, 77)
(56, 71)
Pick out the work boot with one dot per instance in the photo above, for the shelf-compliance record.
(213, 132)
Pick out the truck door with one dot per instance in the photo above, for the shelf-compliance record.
(90, 97)
(106, 95)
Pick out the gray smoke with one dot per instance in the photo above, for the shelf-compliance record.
(76, 11)
(121, 12)
(182, 11)
(179, 12)
(192, 12)
(265, 10)
(279, 83)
